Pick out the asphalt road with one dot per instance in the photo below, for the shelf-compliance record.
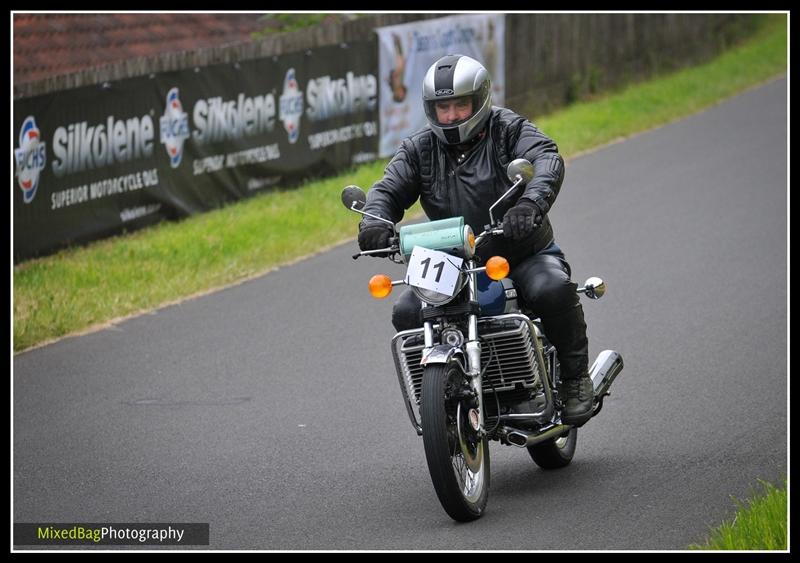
(271, 410)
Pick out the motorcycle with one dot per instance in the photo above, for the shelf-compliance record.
(480, 368)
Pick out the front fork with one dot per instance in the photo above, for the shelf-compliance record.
(473, 346)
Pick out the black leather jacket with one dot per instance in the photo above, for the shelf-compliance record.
(450, 183)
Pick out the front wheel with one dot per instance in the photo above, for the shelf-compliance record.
(555, 453)
(458, 458)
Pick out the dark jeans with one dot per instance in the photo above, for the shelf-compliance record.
(544, 285)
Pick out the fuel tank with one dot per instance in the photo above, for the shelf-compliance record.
(496, 297)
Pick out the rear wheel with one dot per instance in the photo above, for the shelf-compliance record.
(555, 453)
(458, 458)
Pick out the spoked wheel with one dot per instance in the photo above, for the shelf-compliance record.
(458, 458)
(555, 453)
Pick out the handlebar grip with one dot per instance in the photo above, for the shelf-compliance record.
(378, 252)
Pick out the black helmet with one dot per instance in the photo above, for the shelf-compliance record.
(457, 76)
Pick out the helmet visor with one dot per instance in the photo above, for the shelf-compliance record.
(452, 112)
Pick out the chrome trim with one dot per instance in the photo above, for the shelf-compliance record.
(475, 270)
(604, 370)
(520, 345)
(504, 343)
(473, 347)
(441, 354)
(452, 336)
(594, 288)
(469, 249)
(426, 297)
(535, 361)
(404, 375)
(520, 168)
(474, 356)
(377, 217)
(524, 439)
(427, 328)
(519, 179)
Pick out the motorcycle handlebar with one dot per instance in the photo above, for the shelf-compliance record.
(498, 230)
(393, 248)
(394, 244)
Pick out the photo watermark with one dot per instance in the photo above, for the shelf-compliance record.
(111, 534)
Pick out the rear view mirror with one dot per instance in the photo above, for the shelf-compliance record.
(353, 197)
(520, 167)
(594, 288)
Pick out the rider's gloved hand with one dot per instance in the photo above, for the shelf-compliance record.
(520, 220)
(373, 237)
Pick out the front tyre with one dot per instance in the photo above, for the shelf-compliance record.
(555, 453)
(458, 458)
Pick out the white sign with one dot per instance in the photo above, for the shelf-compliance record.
(406, 52)
(434, 270)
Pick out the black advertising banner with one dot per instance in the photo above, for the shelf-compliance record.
(94, 161)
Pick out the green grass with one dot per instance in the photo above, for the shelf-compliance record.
(759, 524)
(83, 287)
(80, 287)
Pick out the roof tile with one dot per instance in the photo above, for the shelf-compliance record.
(46, 45)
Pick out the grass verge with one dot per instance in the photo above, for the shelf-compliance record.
(759, 524)
(82, 288)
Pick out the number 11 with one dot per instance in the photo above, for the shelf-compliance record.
(439, 266)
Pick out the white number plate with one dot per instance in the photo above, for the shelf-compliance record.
(434, 270)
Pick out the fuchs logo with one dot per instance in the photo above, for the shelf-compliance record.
(291, 106)
(174, 128)
(30, 157)
(445, 92)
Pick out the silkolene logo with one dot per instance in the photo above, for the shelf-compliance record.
(30, 158)
(291, 106)
(174, 128)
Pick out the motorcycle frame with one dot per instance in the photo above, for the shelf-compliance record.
(469, 360)
(602, 373)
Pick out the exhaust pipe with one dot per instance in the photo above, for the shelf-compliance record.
(604, 370)
(523, 439)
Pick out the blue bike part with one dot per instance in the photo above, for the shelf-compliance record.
(491, 296)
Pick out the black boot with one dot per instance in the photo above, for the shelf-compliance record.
(567, 332)
(577, 396)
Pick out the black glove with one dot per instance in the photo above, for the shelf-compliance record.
(520, 220)
(374, 237)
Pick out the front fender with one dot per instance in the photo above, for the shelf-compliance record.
(441, 354)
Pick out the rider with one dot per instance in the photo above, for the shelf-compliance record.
(456, 167)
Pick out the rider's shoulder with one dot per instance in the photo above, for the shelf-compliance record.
(420, 141)
(506, 117)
